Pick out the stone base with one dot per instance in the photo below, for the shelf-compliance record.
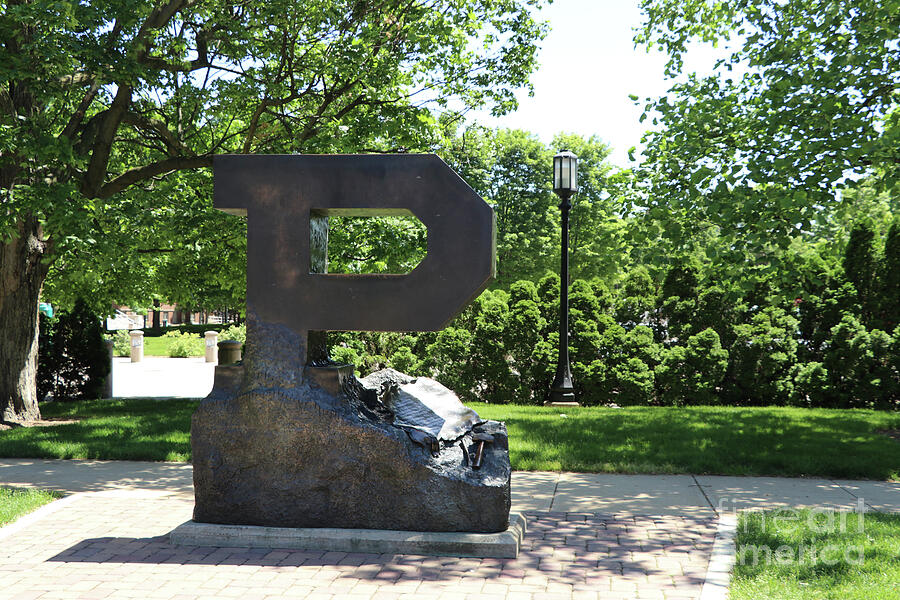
(278, 444)
(370, 541)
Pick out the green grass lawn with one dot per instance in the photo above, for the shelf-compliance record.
(15, 502)
(714, 440)
(800, 556)
(702, 440)
(159, 346)
(133, 429)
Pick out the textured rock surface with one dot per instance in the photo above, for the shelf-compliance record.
(285, 449)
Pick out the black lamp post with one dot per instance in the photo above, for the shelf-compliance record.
(565, 184)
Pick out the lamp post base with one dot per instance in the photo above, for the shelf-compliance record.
(562, 398)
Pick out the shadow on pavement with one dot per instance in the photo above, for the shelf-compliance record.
(579, 550)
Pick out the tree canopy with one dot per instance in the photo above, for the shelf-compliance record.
(758, 153)
(101, 99)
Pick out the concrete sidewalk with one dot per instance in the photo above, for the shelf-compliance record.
(157, 376)
(702, 496)
(592, 536)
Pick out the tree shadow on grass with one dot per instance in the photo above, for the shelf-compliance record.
(156, 432)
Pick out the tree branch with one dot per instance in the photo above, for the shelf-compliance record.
(102, 145)
(132, 176)
(72, 126)
(96, 173)
(75, 79)
(159, 127)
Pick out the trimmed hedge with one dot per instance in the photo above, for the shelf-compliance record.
(705, 345)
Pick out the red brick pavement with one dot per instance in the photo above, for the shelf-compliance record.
(115, 545)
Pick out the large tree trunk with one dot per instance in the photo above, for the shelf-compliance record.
(21, 277)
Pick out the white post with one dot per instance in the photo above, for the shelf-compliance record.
(137, 345)
(212, 348)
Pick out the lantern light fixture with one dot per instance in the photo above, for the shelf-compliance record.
(565, 174)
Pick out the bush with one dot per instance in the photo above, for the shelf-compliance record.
(530, 354)
(121, 342)
(889, 288)
(200, 328)
(448, 358)
(73, 361)
(490, 367)
(405, 361)
(762, 356)
(184, 345)
(691, 374)
(678, 302)
(696, 342)
(811, 386)
(638, 299)
(634, 382)
(345, 355)
(237, 333)
(595, 349)
(860, 269)
(862, 367)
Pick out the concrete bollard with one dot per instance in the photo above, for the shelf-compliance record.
(212, 350)
(108, 382)
(137, 345)
(229, 352)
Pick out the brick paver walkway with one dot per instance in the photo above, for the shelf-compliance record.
(115, 545)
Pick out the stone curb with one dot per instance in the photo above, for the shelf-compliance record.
(721, 560)
(505, 544)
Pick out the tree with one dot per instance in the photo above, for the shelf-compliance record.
(97, 98)
(859, 268)
(889, 301)
(757, 152)
(139, 250)
(597, 246)
(510, 170)
(375, 245)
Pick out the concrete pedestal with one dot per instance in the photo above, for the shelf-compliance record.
(505, 544)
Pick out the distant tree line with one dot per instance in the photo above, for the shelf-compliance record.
(750, 257)
(688, 340)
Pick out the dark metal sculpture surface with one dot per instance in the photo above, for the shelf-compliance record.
(285, 196)
(287, 440)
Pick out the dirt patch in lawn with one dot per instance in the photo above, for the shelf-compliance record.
(51, 422)
(894, 434)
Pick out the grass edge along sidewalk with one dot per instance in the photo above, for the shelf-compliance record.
(15, 502)
(757, 441)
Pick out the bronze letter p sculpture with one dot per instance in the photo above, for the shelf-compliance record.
(288, 439)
